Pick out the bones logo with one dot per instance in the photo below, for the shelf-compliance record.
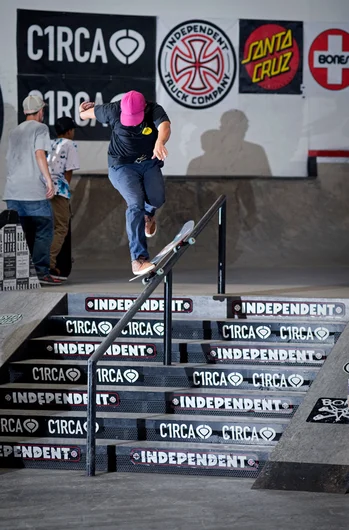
(330, 410)
(329, 59)
(197, 64)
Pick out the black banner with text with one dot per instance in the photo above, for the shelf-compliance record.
(72, 57)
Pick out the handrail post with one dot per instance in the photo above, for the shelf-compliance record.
(222, 236)
(91, 418)
(168, 318)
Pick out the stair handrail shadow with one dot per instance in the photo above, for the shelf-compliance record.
(218, 206)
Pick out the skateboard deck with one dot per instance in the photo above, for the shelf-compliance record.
(183, 234)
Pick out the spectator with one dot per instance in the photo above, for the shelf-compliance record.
(29, 184)
(62, 160)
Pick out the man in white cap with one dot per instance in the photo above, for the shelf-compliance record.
(136, 154)
(29, 184)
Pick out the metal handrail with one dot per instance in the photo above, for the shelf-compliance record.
(220, 206)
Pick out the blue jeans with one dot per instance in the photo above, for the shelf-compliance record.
(142, 187)
(37, 222)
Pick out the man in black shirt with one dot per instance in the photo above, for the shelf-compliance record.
(136, 154)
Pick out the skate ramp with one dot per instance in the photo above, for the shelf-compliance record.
(20, 314)
(313, 453)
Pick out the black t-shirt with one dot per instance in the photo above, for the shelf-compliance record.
(129, 143)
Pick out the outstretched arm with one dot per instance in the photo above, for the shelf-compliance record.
(160, 150)
(87, 111)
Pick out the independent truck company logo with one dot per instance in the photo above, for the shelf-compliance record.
(330, 410)
(267, 355)
(197, 64)
(41, 452)
(329, 59)
(236, 404)
(83, 349)
(152, 305)
(287, 309)
(197, 459)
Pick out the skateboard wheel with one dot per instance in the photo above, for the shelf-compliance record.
(160, 271)
(191, 241)
(145, 281)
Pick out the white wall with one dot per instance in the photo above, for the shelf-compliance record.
(282, 124)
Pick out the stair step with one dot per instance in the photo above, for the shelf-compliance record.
(156, 400)
(156, 374)
(215, 306)
(191, 459)
(60, 453)
(189, 328)
(127, 349)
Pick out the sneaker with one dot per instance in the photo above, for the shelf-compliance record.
(49, 280)
(150, 225)
(141, 265)
(56, 273)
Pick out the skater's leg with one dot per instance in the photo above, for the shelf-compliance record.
(154, 187)
(61, 213)
(129, 184)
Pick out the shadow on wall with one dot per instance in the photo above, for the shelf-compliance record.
(226, 152)
(10, 121)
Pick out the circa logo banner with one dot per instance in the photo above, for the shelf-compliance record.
(72, 57)
(271, 57)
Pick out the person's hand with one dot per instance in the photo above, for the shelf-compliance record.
(50, 191)
(160, 151)
(85, 105)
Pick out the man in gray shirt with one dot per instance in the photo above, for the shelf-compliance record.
(29, 185)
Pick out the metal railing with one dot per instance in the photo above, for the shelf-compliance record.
(218, 206)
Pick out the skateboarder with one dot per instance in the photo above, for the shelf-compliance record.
(136, 154)
(62, 161)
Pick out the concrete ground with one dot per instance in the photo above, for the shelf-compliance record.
(298, 282)
(64, 500)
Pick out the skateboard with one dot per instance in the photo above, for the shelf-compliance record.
(174, 245)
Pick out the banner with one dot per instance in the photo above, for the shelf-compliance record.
(197, 63)
(17, 271)
(71, 57)
(271, 57)
(326, 70)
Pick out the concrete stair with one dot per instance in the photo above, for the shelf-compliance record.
(235, 383)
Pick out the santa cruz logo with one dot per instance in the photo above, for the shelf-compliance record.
(329, 59)
(197, 64)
